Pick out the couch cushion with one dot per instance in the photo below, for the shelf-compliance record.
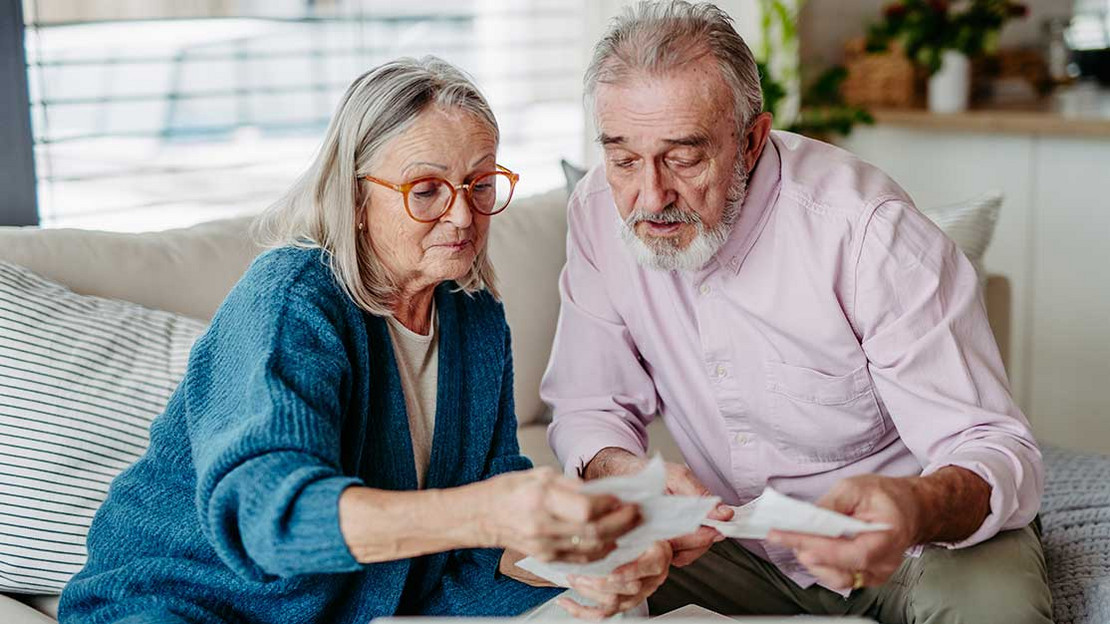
(970, 224)
(80, 380)
(187, 271)
(13, 611)
(527, 244)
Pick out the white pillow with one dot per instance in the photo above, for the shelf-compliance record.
(80, 380)
(970, 224)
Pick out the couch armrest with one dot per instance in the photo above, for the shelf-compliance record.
(998, 299)
(13, 611)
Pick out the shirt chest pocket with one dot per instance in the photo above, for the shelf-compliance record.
(817, 417)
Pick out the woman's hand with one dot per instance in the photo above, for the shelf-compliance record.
(541, 513)
(624, 588)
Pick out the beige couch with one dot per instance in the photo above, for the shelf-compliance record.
(190, 271)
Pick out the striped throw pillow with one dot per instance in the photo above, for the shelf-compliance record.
(970, 224)
(80, 380)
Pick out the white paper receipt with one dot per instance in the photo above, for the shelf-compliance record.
(773, 510)
(664, 517)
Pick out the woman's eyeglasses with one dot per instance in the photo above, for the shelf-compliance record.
(427, 199)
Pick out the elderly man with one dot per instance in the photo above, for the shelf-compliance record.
(797, 323)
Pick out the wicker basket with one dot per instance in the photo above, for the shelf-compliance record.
(880, 80)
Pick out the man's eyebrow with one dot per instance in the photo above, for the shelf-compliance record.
(605, 139)
(693, 140)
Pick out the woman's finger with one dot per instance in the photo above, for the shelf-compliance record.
(617, 522)
(566, 550)
(573, 506)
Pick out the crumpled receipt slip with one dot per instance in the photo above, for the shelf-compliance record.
(667, 517)
(663, 518)
(772, 510)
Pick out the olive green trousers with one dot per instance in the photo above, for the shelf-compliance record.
(1001, 580)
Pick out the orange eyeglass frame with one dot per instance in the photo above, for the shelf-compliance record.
(405, 188)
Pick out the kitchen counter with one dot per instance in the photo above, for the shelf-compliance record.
(1044, 122)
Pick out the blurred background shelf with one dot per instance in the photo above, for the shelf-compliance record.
(1000, 121)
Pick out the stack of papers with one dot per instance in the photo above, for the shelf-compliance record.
(667, 517)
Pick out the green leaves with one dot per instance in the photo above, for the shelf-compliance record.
(926, 28)
(773, 91)
(824, 111)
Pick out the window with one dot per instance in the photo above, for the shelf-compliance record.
(157, 114)
(1090, 28)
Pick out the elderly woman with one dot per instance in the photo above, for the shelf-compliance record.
(343, 445)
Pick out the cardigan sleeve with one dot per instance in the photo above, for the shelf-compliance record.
(264, 416)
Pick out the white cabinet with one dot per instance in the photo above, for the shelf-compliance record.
(1052, 242)
(1069, 337)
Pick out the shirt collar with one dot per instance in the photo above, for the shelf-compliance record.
(763, 191)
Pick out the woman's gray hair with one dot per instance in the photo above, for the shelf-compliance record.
(322, 208)
(660, 37)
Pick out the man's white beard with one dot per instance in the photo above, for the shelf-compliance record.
(663, 253)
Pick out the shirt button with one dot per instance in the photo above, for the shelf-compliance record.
(735, 262)
(721, 371)
(705, 289)
(741, 439)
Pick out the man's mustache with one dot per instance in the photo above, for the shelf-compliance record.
(669, 214)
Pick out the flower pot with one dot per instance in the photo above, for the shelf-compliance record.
(950, 87)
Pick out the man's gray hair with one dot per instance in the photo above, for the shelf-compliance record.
(323, 209)
(660, 37)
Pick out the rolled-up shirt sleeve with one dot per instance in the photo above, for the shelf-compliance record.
(595, 383)
(935, 364)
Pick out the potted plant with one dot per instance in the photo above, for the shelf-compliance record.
(942, 37)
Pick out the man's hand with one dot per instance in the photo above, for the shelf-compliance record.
(948, 505)
(680, 482)
(624, 588)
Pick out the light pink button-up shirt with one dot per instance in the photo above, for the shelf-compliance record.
(838, 332)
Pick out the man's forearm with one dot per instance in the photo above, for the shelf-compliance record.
(954, 502)
(611, 460)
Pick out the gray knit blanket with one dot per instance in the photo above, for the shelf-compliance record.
(1076, 518)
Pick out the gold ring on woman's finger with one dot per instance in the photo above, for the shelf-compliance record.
(575, 541)
(857, 579)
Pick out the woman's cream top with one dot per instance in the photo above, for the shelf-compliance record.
(417, 360)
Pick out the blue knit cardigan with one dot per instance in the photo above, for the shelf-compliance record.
(291, 396)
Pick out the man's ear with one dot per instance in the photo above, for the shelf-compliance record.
(752, 143)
